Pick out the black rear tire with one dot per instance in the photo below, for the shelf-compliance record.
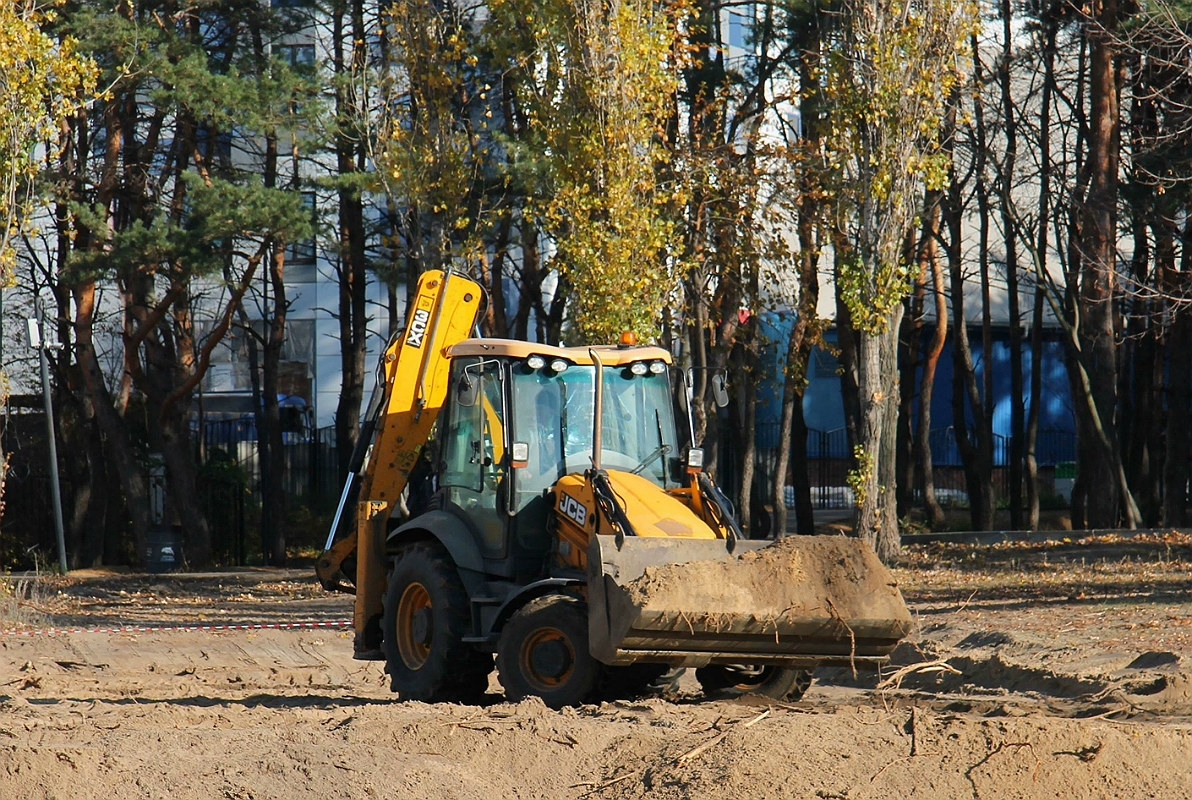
(780, 683)
(543, 652)
(426, 617)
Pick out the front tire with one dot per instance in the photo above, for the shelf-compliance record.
(779, 683)
(426, 617)
(543, 652)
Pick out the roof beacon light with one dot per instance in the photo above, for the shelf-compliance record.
(628, 339)
(535, 362)
(639, 368)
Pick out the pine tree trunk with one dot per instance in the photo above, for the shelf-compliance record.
(1179, 395)
(790, 396)
(747, 436)
(1010, 244)
(352, 274)
(168, 362)
(264, 453)
(1040, 257)
(1030, 458)
(847, 348)
(909, 351)
(171, 434)
(118, 450)
(974, 453)
(1101, 466)
(805, 330)
(273, 494)
(804, 510)
(930, 360)
(95, 517)
(1179, 423)
(981, 467)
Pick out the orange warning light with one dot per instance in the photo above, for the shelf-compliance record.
(628, 339)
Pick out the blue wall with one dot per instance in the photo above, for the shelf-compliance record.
(824, 411)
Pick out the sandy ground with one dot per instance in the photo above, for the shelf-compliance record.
(1036, 672)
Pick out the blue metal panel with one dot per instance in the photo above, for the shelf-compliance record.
(824, 411)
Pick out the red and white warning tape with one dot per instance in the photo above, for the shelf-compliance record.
(179, 628)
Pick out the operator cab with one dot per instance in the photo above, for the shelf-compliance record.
(519, 418)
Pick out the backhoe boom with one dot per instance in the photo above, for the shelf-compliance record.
(415, 371)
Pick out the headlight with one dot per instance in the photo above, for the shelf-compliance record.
(657, 367)
(639, 368)
(535, 362)
(559, 365)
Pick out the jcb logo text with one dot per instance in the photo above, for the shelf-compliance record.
(573, 509)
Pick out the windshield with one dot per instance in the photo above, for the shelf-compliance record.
(553, 415)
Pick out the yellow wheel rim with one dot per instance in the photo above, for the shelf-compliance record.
(414, 607)
(549, 637)
(752, 679)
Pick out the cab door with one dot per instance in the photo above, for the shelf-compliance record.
(472, 465)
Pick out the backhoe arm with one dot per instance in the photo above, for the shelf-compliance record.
(415, 370)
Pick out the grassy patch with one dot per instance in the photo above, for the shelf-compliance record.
(18, 599)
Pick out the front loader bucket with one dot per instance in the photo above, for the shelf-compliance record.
(802, 601)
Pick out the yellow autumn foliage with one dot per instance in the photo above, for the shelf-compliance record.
(43, 80)
(888, 84)
(595, 78)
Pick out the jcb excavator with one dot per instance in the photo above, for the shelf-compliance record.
(508, 496)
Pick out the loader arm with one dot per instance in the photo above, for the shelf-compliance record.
(415, 370)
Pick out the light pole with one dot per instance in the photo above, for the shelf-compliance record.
(38, 341)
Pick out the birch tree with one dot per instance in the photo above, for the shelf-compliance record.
(887, 86)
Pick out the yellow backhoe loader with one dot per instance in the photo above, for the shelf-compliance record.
(536, 503)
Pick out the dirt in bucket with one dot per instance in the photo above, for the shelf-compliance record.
(795, 577)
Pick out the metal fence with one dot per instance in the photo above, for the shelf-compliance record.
(231, 479)
(829, 460)
(27, 526)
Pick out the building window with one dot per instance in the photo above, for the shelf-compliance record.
(300, 255)
(228, 373)
(740, 26)
(297, 55)
(301, 59)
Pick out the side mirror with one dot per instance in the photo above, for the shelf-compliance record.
(468, 391)
(719, 390)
